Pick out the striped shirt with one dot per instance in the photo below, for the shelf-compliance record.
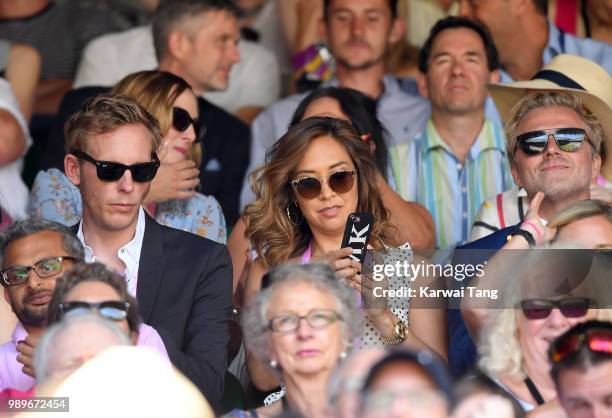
(426, 171)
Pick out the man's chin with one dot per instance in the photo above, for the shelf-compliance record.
(36, 317)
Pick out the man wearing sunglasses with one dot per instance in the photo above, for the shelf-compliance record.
(183, 283)
(581, 369)
(35, 252)
(557, 125)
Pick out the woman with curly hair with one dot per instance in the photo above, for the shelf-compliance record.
(318, 173)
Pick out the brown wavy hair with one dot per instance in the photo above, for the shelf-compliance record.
(157, 91)
(273, 236)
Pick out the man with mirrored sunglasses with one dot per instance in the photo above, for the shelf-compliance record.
(581, 368)
(557, 127)
(35, 253)
(183, 282)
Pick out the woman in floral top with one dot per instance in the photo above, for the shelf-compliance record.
(170, 99)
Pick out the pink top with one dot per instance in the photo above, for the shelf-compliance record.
(11, 376)
(307, 254)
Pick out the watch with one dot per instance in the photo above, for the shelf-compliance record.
(399, 334)
(525, 234)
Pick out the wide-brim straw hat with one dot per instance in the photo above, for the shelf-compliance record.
(567, 73)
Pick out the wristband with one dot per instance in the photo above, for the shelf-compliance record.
(525, 234)
(535, 228)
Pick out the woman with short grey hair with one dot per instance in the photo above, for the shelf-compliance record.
(300, 325)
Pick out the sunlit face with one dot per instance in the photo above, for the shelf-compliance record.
(359, 31)
(96, 292)
(562, 176)
(592, 232)
(325, 107)
(305, 351)
(176, 143)
(587, 394)
(404, 390)
(112, 205)
(212, 51)
(499, 16)
(536, 335)
(30, 300)
(327, 213)
(457, 72)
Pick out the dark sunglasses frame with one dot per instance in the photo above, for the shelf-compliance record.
(181, 121)
(66, 307)
(545, 306)
(598, 339)
(310, 187)
(5, 281)
(111, 171)
(531, 143)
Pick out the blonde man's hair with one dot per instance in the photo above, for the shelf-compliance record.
(538, 100)
(106, 113)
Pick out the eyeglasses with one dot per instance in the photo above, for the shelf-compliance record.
(383, 399)
(541, 308)
(111, 171)
(339, 182)
(113, 310)
(567, 139)
(597, 339)
(317, 319)
(181, 121)
(46, 267)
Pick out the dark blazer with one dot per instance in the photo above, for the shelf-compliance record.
(184, 291)
(225, 148)
(462, 351)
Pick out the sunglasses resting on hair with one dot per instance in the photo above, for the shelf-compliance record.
(597, 338)
(113, 310)
(181, 121)
(567, 139)
(541, 308)
(310, 187)
(112, 171)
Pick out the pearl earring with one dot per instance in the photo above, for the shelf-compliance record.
(273, 364)
(343, 355)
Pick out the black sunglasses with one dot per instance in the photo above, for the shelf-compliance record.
(113, 310)
(567, 139)
(181, 121)
(310, 187)
(111, 171)
(569, 307)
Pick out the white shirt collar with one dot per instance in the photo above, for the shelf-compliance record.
(129, 253)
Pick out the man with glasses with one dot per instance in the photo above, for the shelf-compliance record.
(557, 127)
(581, 368)
(34, 254)
(183, 283)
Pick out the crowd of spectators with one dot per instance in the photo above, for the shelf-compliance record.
(178, 180)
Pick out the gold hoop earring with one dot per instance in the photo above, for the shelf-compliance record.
(297, 221)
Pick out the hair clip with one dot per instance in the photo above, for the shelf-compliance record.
(366, 137)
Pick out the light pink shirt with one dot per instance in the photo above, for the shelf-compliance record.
(11, 376)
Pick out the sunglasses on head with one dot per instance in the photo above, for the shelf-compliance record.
(181, 121)
(113, 310)
(567, 139)
(310, 187)
(597, 338)
(111, 171)
(569, 307)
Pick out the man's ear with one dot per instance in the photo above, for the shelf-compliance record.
(422, 84)
(595, 167)
(179, 44)
(515, 175)
(72, 168)
(398, 27)
(495, 76)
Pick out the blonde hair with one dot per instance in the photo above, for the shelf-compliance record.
(581, 210)
(499, 348)
(537, 100)
(274, 236)
(157, 91)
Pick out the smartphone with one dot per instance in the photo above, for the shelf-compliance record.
(357, 234)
